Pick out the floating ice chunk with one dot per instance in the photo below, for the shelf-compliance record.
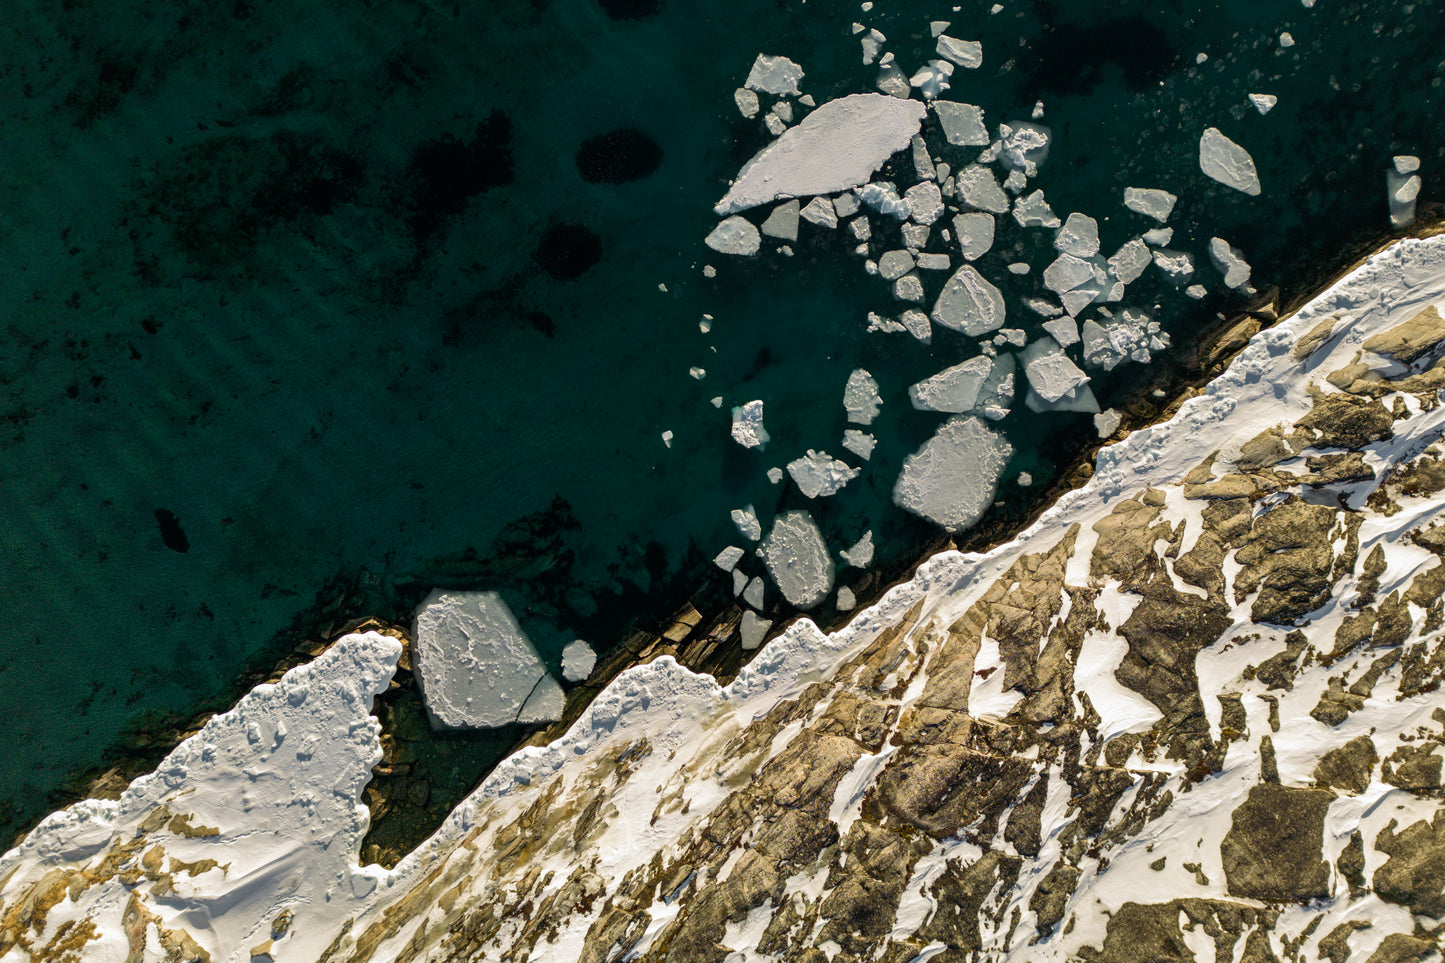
(775, 475)
(544, 703)
(1043, 307)
(1034, 211)
(1196, 291)
(783, 222)
(962, 124)
(1014, 336)
(872, 45)
(753, 630)
(1403, 189)
(1050, 373)
(784, 111)
(1081, 399)
(708, 271)
(1107, 422)
(908, 288)
(1230, 262)
(861, 398)
(578, 659)
(1406, 163)
(937, 27)
(734, 235)
(667, 438)
(861, 229)
(975, 234)
(820, 211)
(748, 429)
(1068, 272)
(1285, 40)
(932, 80)
(774, 75)
(925, 202)
(1177, 266)
(915, 236)
(1081, 297)
(883, 198)
(1158, 237)
(1129, 262)
(797, 559)
(1024, 146)
(716, 402)
(860, 555)
(1020, 268)
(697, 373)
(1263, 103)
(728, 558)
(818, 474)
(747, 102)
(1063, 330)
(915, 322)
(847, 602)
(877, 322)
(969, 303)
(847, 204)
(922, 163)
(1132, 336)
(753, 593)
(965, 53)
(954, 389)
(1227, 162)
(859, 443)
(894, 264)
(746, 519)
(836, 147)
(978, 188)
(774, 124)
(997, 393)
(1025, 480)
(891, 78)
(952, 479)
(1151, 202)
(933, 262)
(475, 665)
(1079, 236)
(1015, 182)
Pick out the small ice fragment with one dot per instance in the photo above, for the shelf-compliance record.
(774, 75)
(1068, 272)
(996, 8)
(783, 222)
(807, 100)
(1150, 201)
(1107, 422)
(872, 45)
(1201, 57)
(962, 123)
(1285, 40)
(734, 235)
(1034, 211)
(1079, 236)
(860, 555)
(746, 519)
(1038, 111)
(1063, 330)
(1025, 480)
(922, 163)
(1406, 163)
(1226, 162)
(1050, 373)
(978, 188)
(997, 393)
(708, 271)
(925, 202)
(859, 443)
(916, 323)
(747, 102)
(915, 236)
(740, 582)
(578, 661)
(933, 262)
(1196, 291)
(969, 303)
(908, 288)
(952, 479)
(1043, 307)
(544, 704)
(1020, 268)
(1015, 182)
(937, 27)
(894, 264)
(1230, 262)
(797, 558)
(1081, 399)
(1402, 191)
(753, 593)
(1024, 146)
(860, 228)
(1177, 266)
(1158, 237)
(748, 429)
(1263, 103)
(753, 629)
(784, 111)
(861, 398)
(1132, 336)
(954, 390)
(774, 124)
(705, 325)
(847, 204)
(667, 438)
(877, 322)
(1129, 262)
(716, 402)
(820, 211)
(1014, 336)
(965, 53)
(883, 198)
(728, 558)
(891, 79)
(775, 475)
(698, 373)
(975, 234)
(932, 79)
(818, 474)
(846, 601)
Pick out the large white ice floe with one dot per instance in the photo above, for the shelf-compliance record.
(835, 148)
(797, 559)
(861, 398)
(969, 303)
(1151, 202)
(735, 235)
(748, 429)
(476, 667)
(953, 390)
(818, 474)
(952, 479)
(774, 75)
(1227, 162)
(578, 661)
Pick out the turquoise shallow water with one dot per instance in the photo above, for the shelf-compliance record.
(270, 268)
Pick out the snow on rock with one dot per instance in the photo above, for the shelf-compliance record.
(475, 666)
(1132, 335)
(836, 147)
(818, 474)
(746, 520)
(1227, 162)
(578, 661)
(952, 479)
(1263, 103)
(977, 187)
(861, 398)
(1050, 373)
(1130, 261)
(1034, 211)
(1024, 146)
(860, 554)
(975, 231)
(954, 390)
(1151, 202)
(1079, 236)
(966, 53)
(820, 211)
(1230, 262)
(859, 443)
(735, 235)
(774, 75)
(962, 124)
(797, 559)
(969, 303)
(783, 222)
(748, 429)
(925, 202)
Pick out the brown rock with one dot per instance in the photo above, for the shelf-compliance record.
(1272, 849)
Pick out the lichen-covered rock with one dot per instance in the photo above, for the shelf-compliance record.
(1273, 848)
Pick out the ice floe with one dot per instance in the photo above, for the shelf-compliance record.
(952, 479)
(1130, 261)
(1150, 201)
(1263, 103)
(1107, 422)
(774, 75)
(578, 661)
(978, 188)
(861, 398)
(748, 429)
(1230, 262)
(1079, 236)
(859, 443)
(932, 79)
(1050, 373)
(1402, 185)
(735, 235)
(820, 211)
(892, 265)
(1063, 330)
(925, 202)
(746, 520)
(860, 554)
(962, 124)
(818, 474)
(953, 390)
(753, 593)
(747, 102)
(1132, 335)
(783, 222)
(1176, 266)
(965, 53)
(728, 558)
(1024, 146)
(1159, 237)
(797, 559)
(1226, 162)
(1034, 211)
(969, 303)
(975, 231)
(753, 630)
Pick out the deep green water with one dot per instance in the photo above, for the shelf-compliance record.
(270, 267)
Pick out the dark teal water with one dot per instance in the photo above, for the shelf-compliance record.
(269, 267)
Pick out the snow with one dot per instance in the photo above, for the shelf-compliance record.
(1034, 211)
(748, 429)
(962, 124)
(1151, 202)
(1226, 162)
(859, 443)
(954, 390)
(797, 559)
(969, 303)
(818, 474)
(952, 479)
(746, 520)
(978, 188)
(734, 235)
(1050, 373)
(836, 147)
(1079, 236)
(1230, 262)
(774, 75)
(820, 211)
(1263, 103)
(860, 554)
(965, 53)
(728, 558)
(783, 222)
(474, 664)
(894, 264)
(861, 398)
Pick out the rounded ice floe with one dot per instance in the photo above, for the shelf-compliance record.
(953, 390)
(476, 667)
(774, 75)
(894, 264)
(1226, 162)
(797, 559)
(747, 102)
(952, 479)
(836, 147)
(975, 230)
(969, 303)
(748, 429)
(578, 661)
(861, 398)
(818, 474)
(978, 188)
(735, 235)
(925, 202)
(1151, 202)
